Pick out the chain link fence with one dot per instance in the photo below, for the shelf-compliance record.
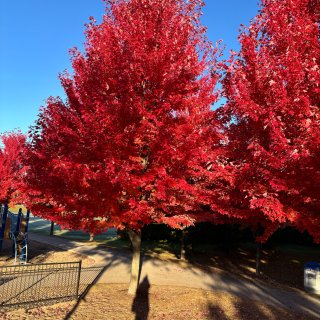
(34, 284)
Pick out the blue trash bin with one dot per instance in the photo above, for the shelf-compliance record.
(312, 277)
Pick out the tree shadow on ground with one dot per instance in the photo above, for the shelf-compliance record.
(141, 305)
(243, 309)
(270, 298)
(241, 260)
(246, 309)
(239, 311)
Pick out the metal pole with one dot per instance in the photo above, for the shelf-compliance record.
(3, 225)
(27, 220)
(18, 221)
(51, 228)
(78, 280)
(258, 258)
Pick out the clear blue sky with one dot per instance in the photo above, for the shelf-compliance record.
(36, 35)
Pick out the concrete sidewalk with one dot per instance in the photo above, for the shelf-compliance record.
(115, 267)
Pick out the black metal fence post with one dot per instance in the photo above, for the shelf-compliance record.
(78, 280)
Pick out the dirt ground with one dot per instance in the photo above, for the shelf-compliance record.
(156, 302)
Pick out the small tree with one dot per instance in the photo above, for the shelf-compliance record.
(273, 117)
(136, 141)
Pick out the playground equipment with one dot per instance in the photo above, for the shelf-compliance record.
(20, 244)
(15, 227)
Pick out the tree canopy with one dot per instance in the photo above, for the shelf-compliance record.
(137, 140)
(273, 117)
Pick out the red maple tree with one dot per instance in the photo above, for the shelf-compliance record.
(12, 169)
(136, 142)
(273, 117)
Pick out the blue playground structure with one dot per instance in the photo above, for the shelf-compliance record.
(15, 227)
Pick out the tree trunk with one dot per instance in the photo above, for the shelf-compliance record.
(182, 246)
(258, 259)
(135, 239)
(51, 228)
(91, 237)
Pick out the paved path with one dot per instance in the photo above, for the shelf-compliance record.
(114, 267)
